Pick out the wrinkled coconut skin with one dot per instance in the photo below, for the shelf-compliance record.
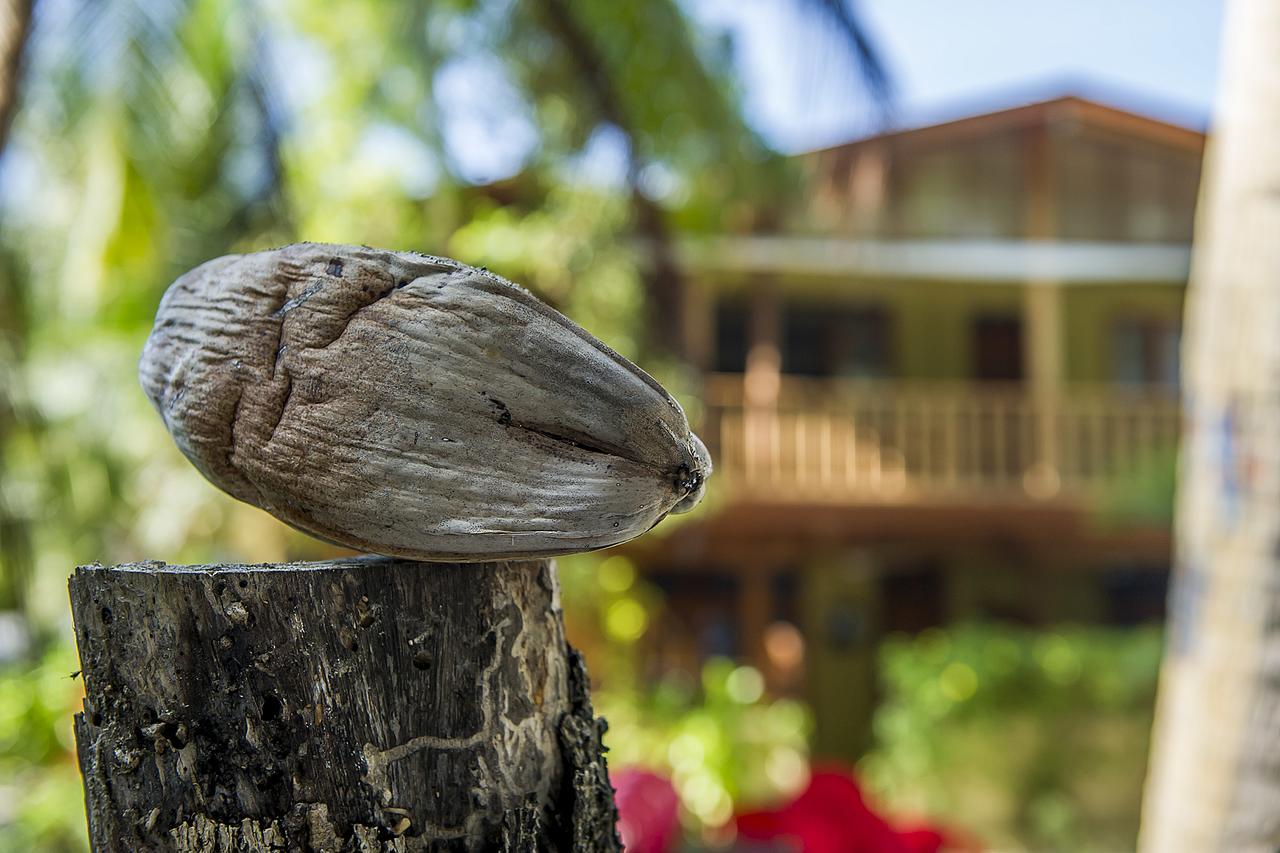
(413, 406)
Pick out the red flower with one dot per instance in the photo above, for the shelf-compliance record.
(830, 816)
(648, 811)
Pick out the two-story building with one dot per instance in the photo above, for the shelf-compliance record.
(948, 391)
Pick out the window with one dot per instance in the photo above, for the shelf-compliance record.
(1145, 351)
(997, 348)
(826, 340)
(731, 338)
(1135, 594)
(913, 597)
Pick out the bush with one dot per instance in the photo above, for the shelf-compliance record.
(1030, 739)
(41, 796)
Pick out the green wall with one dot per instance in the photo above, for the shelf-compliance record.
(931, 319)
(1091, 312)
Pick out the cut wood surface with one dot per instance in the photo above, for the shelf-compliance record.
(363, 704)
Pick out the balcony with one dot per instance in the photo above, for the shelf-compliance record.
(898, 442)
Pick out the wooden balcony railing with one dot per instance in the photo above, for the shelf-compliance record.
(905, 441)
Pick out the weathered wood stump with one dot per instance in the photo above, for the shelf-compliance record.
(366, 704)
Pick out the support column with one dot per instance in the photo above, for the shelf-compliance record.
(762, 383)
(867, 187)
(1042, 320)
(699, 327)
(1042, 325)
(841, 607)
(755, 611)
(764, 348)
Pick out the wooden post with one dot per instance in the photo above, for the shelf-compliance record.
(1043, 312)
(698, 346)
(755, 609)
(762, 382)
(1042, 324)
(364, 704)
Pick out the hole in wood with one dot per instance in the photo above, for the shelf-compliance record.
(172, 733)
(272, 707)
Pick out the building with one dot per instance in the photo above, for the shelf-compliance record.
(948, 391)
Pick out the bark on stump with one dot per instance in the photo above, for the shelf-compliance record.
(367, 704)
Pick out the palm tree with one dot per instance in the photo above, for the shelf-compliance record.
(15, 26)
(176, 109)
(1214, 777)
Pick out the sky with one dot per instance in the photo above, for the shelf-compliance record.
(946, 58)
(950, 58)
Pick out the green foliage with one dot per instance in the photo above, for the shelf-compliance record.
(1032, 740)
(155, 136)
(567, 250)
(41, 797)
(1144, 495)
(722, 741)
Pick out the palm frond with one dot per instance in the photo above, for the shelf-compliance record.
(849, 25)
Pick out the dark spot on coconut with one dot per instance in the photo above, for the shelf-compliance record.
(504, 414)
(334, 268)
(687, 481)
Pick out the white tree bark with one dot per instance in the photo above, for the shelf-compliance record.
(1214, 777)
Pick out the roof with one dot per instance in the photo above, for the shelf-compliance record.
(1067, 109)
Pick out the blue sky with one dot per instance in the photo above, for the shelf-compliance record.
(951, 58)
(947, 58)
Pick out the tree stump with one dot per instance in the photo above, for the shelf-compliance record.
(366, 704)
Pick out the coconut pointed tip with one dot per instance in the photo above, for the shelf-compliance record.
(694, 477)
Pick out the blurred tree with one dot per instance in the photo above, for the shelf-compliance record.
(155, 134)
(15, 26)
(160, 134)
(1213, 781)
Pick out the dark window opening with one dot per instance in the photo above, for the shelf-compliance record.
(913, 598)
(1135, 596)
(836, 341)
(997, 348)
(731, 338)
(785, 591)
(700, 613)
(1145, 352)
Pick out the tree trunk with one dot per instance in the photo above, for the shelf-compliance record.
(1214, 779)
(15, 28)
(365, 704)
